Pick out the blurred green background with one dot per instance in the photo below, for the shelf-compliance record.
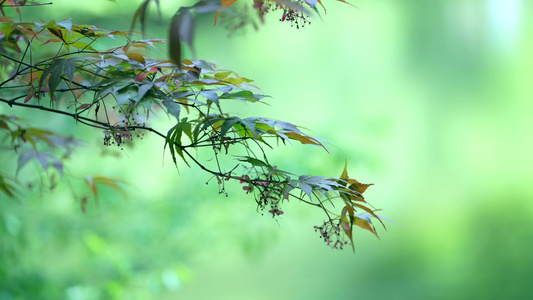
(428, 100)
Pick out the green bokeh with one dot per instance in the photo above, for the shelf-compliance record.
(428, 100)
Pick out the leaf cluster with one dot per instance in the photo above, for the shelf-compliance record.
(119, 90)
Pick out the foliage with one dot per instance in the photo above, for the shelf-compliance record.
(120, 90)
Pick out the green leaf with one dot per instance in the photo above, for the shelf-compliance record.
(69, 69)
(54, 73)
(250, 125)
(243, 94)
(172, 107)
(44, 159)
(143, 89)
(228, 124)
(210, 95)
(67, 24)
(307, 189)
(203, 65)
(55, 77)
(6, 29)
(255, 162)
(173, 140)
(6, 187)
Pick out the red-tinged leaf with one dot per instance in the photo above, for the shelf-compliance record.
(92, 186)
(52, 41)
(345, 225)
(83, 204)
(93, 181)
(142, 76)
(359, 187)
(216, 16)
(28, 98)
(348, 233)
(320, 2)
(304, 139)
(368, 210)
(344, 211)
(83, 106)
(136, 56)
(343, 1)
(112, 183)
(228, 3)
(348, 207)
(122, 33)
(365, 225)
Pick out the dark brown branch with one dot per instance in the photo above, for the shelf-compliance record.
(106, 126)
(26, 5)
(41, 69)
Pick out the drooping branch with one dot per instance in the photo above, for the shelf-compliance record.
(128, 83)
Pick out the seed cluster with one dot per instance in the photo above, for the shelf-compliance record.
(268, 193)
(292, 15)
(331, 234)
(119, 135)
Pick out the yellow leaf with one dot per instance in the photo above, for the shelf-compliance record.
(136, 56)
(344, 175)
